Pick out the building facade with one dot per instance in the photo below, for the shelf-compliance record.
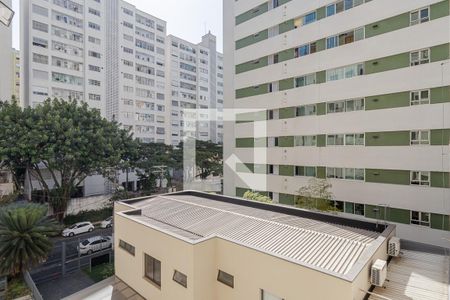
(193, 245)
(5, 60)
(348, 96)
(16, 74)
(195, 82)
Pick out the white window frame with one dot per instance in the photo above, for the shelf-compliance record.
(420, 182)
(419, 221)
(420, 100)
(420, 60)
(421, 140)
(419, 20)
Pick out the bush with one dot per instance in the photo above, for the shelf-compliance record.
(17, 288)
(101, 272)
(89, 215)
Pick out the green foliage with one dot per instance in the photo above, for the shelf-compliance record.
(17, 288)
(89, 215)
(8, 199)
(249, 195)
(101, 272)
(316, 196)
(68, 138)
(24, 242)
(209, 159)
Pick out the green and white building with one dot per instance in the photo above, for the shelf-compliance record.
(356, 92)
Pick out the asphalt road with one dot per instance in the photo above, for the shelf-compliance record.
(52, 268)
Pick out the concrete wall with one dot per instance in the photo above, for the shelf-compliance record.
(6, 77)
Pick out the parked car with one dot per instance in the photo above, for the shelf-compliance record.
(94, 244)
(78, 228)
(107, 223)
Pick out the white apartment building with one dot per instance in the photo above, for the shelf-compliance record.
(356, 92)
(63, 51)
(15, 85)
(5, 60)
(195, 82)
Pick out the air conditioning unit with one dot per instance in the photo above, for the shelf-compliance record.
(394, 247)
(378, 272)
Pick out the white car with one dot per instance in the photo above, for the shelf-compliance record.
(94, 244)
(107, 223)
(78, 228)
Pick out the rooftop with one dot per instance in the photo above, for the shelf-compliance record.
(327, 243)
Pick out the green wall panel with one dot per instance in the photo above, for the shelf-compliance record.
(391, 138)
(439, 10)
(321, 140)
(440, 179)
(252, 13)
(401, 99)
(252, 91)
(441, 52)
(286, 55)
(321, 13)
(286, 26)
(439, 137)
(286, 141)
(252, 65)
(440, 222)
(260, 169)
(320, 45)
(321, 172)
(372, 213)
(281, 2)
(386, 25)
(399, 215)
(440, 95)
(321, 108)
(260, 142)
(244, 167)
(245, 143)
(287, 112)
(388, 176)
(387, 63)
(241, 191)
(321, 77)
(286, 170)
(286, 84)
(252, 39)
(251, 116)
(287, 199)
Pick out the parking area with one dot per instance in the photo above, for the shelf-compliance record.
(59, 288)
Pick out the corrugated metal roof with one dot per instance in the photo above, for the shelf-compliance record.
(416, 276)
(329, 247)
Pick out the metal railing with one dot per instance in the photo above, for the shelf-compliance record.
(30, 283)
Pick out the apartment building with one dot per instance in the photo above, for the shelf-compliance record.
(5, 59)
(63, 51)
(356, 92)
(195, 82)
(16, 74)
(192, 245)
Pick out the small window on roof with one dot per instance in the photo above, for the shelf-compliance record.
(180, 278)
(225, 278)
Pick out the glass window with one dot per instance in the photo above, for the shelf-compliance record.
(153, 269)
(332, 42)
(420, 178)
(420, 97)
(306, 110)
(420, 137)
(225, 278)
(348, 4)
(339, 6)
(127, 247)
(350, 174)
(419, 16)
(359, 174)
(309, 18)
(303, 50)
(305, 141)
(359, 209)
(420, 57)
(335, 140)
(267, 296)
(180, 278)
(359, 34)
(420, 218)
(331, 10)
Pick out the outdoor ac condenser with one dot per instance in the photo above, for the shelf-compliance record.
(378, 272)
(394, 247)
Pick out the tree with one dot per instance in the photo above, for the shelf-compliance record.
(249, 195)
(67, 139)
(209, 159)
(316, 195)
(24, 242)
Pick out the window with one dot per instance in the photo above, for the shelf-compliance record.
(40, 26)
(94, 40)
(273, 87)
(94, 68)
(38, 58)
(420, 57)
(153, 270)
(354, 139)
(40, 10)
(345, 72)
(420, 137)
(273, 114)
(94, 82)
(332, 42)
(225, 278)
(94, 54)
(127, 247)
(305, 80)
(94, 12)
(335, 140)
(40, 42)
(306, 110)
(94, 97)
(359, 209)
(420, 218)
(419, 16)
(266, 296)
(305, 171)
(346, 173)
(420, 178)
(180, 278)
(272, 142)
(309, 18)
(345, 106)
(331, 10)
(420, 97)
(305, 141)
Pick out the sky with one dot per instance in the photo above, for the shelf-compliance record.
(187, 19)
